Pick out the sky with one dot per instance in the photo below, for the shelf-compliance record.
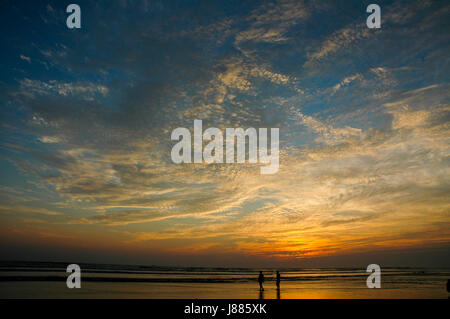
(86, 117)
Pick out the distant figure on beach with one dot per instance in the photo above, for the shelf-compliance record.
(261, 280)
(278, 280)
(448, 285)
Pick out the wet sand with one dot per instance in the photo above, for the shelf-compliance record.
(310, 290)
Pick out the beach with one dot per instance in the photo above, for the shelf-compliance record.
(48, 280)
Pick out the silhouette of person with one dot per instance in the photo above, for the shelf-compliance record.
(448, 285)
(261, 280)
(278, 280)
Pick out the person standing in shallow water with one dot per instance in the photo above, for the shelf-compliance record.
(261, 280)
(278, 280)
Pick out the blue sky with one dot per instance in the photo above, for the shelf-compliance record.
(86, 117)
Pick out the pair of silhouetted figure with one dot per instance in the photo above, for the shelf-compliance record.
(261, 280)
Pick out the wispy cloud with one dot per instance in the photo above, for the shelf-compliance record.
(86, 90)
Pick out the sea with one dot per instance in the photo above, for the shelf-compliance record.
(47, 280)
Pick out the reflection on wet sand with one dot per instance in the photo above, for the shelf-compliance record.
(261, 294)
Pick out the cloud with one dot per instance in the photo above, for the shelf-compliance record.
(326, 133)
(29, 210)
(346, 81)
(49, 139)
(87, 90)
(270, 22)
(25, 58)
(339, 40)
